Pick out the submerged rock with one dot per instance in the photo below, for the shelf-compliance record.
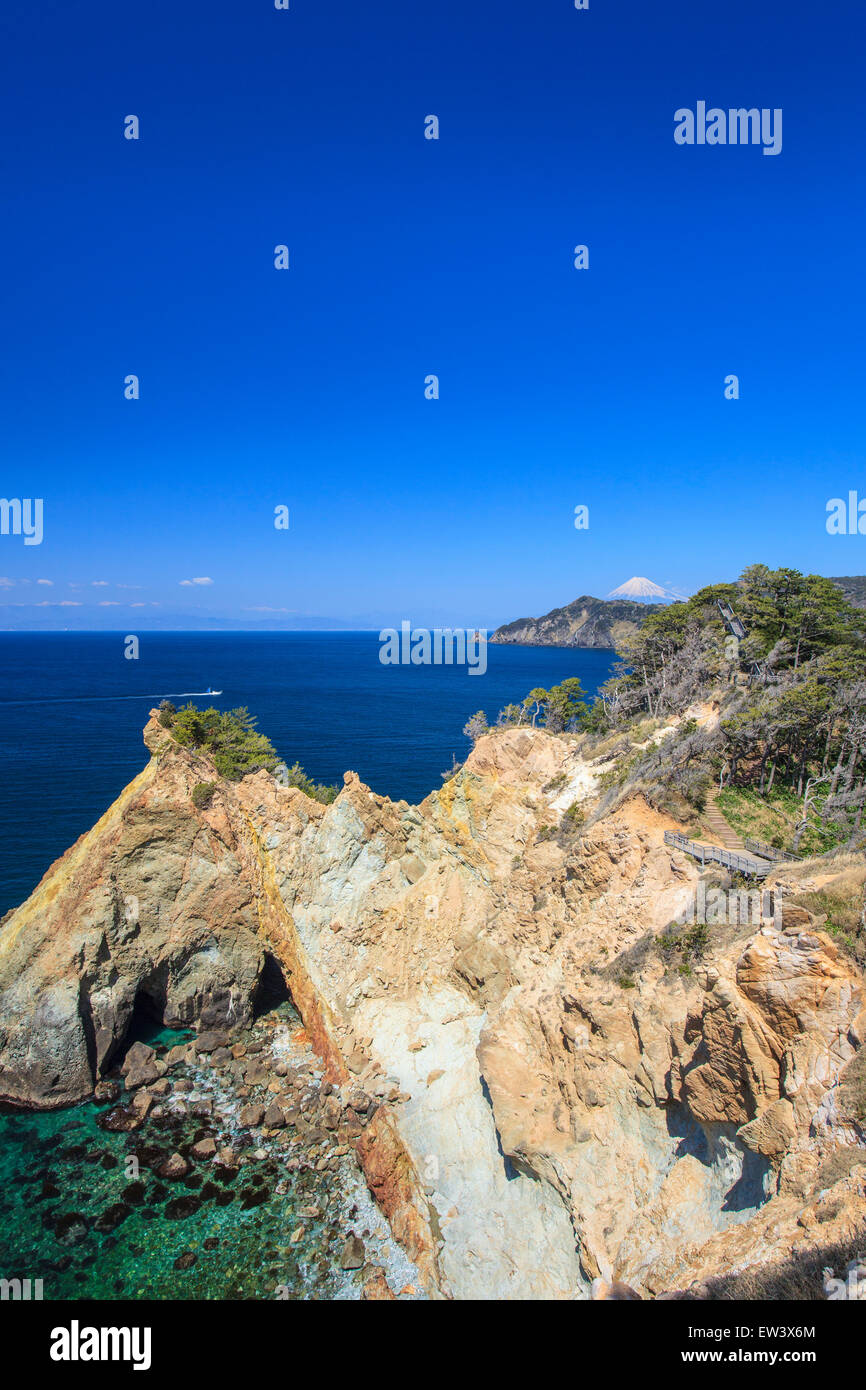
(577, 1106)
(181, 1207)
(173, 1168)
(71, 1228)
(112, 1217)
(121, 1120)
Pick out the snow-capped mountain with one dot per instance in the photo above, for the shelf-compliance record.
(644, 590)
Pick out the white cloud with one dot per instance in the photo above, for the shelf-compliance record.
(6, 583)
(49, 582)
(100, 584)
(204, 580)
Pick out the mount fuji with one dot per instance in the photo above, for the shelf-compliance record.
(643, 590)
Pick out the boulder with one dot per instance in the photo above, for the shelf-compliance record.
(353, 1253)
(140, 1066)
(173, 1168)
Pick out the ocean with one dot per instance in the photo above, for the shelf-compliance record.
(83, 1207)
(72, 709)
(85, 1210)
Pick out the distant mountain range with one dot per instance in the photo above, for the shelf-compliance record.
(598, 622)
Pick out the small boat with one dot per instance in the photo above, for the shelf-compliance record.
(212, 692)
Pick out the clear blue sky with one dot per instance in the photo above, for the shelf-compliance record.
(411, 257)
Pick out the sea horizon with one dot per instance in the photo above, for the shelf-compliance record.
(323, 698)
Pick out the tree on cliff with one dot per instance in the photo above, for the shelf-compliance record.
(231, 738)
(476, 727)
(237, 748)
(560, 708)
(792, 692)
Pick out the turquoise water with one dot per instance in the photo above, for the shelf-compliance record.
(81, 1209)
(70, 739)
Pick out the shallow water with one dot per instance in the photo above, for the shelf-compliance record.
(60, 1174)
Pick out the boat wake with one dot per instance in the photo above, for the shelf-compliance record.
(99, 699)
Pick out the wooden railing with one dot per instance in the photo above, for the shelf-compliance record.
(776, 856)
(714, 854)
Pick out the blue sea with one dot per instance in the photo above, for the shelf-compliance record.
(72, 709)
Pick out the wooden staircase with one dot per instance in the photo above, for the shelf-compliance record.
(722, 845)
(718, 828)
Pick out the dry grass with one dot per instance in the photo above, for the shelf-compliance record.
(841, 902)
(797, 1279)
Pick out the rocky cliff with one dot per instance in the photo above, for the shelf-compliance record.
(555, 1101)
(587, 622)
(853, 586)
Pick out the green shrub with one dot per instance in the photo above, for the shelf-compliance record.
(167, 711)
(696, 939)
(452, 771)
(231, 738)
(202, 794)
(295, 776)
(843, 908)
(556, 783)
(690, 942)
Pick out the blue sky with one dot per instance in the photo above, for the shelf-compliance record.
(409, 257)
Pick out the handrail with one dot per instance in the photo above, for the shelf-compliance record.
(714, 854)
(777, 856)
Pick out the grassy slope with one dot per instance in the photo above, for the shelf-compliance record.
(773, 818)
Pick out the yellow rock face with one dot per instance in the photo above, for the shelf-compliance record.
(570, 1107)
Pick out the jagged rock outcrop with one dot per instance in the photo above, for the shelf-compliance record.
(586, 622)
(150, 906)
(558, 1104)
